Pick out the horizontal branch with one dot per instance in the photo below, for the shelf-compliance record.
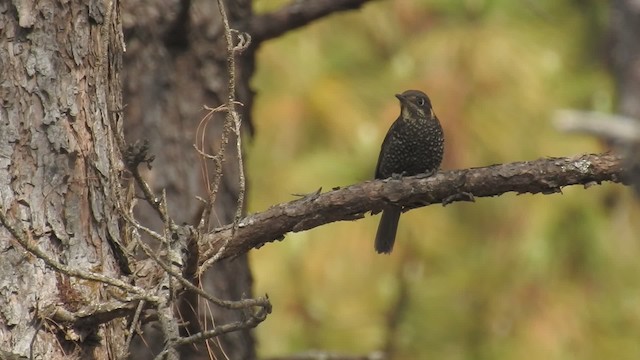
(294, 15)
(545, 176)
(606, 126)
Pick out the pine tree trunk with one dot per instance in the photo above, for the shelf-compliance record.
(60, 96)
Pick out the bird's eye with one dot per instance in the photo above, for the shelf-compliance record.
(420, 102)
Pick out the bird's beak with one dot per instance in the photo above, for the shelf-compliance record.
(401, 98)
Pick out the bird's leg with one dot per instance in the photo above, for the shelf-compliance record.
(427, 174)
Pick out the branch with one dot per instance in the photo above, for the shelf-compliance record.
(90, 315)
(545, 176)
(606, 126)
(254, 320)
(294, 15)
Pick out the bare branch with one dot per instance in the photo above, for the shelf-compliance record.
(232, 121)
(607, 126)
(545, 176)
(232, 118)
(170, 328)
(132, 329)
(169, 270)
(294, 15)
(90, 315)
(253, 321)
(232, 114)
(134, 155)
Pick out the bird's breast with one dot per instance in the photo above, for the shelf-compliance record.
(413, 147)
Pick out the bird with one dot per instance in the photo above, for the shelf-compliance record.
(413, 145)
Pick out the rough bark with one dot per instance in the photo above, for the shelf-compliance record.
(59, 88)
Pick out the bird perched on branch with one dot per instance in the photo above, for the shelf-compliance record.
(414, 145)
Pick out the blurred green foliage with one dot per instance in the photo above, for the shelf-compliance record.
(512, 277)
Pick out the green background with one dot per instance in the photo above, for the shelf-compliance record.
(511, 277)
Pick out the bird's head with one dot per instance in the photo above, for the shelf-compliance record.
(415, 104)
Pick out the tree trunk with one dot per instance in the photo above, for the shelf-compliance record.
(625, 62)
(174, 65)
(625, 27)
(60, 96)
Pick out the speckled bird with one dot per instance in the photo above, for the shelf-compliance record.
(414, 145)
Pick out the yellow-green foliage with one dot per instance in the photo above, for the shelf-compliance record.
(512, 277)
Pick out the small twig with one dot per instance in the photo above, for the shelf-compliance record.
(233, 123)
(228, 304)
(132, 328)
(252, 322)
(201, 141)
(231, 62)
(133, 222)
(232, 114)
(218, 160)
(135, 155)
(90, 315)
(241, 179)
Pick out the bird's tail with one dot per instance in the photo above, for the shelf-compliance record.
(386, 235)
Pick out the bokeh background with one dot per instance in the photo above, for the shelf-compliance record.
(511, 277)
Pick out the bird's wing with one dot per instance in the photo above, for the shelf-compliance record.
(398, 124)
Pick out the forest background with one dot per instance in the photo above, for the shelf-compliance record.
(518, 276)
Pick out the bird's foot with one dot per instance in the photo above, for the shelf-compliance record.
(462, 196)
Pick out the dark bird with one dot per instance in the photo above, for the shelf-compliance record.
(414, 145)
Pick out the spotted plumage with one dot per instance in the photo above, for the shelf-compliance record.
(414, 145)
